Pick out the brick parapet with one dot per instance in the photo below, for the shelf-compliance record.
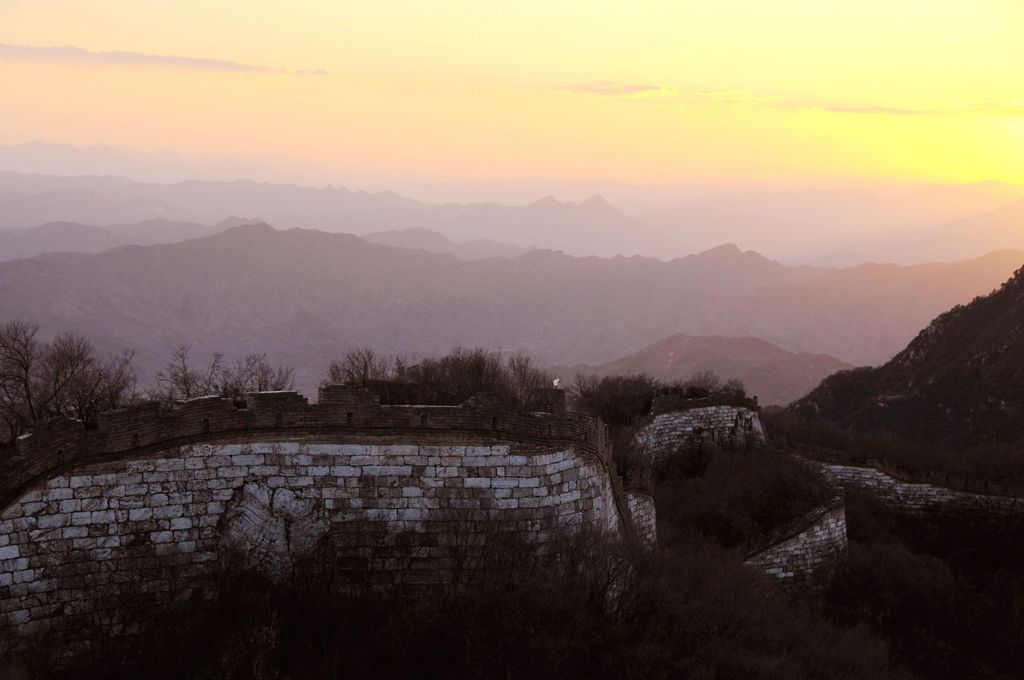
(921, 499)
(341, 409)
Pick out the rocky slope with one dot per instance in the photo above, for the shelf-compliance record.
(960, 381)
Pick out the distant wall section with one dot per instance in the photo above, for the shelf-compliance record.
(920, 500)
(806, 555)
(670, 433)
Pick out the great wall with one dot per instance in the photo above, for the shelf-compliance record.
(677, 424)
(805, 555)
(141, 510)
(917, 499)
(144, 508)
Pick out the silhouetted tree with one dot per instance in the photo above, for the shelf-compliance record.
(360, 366)
(735, 388)
(525, 377)
(254, 374)
(179, 380)
(458, 375)
(706, 380)
(41, 380)
(617, 400)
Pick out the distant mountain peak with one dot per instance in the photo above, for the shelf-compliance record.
(235, 221)
(724, 249)
(729, 252)
(546, 202)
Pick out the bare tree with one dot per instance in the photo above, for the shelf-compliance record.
(358, 367)
(706, 380)
(19, 353)
(468, 372)
(180, 380)
(254, 374)
(102, 385)
(68, 359)
(41, 380)
(735, 387)
(525, 377)
(457, 376)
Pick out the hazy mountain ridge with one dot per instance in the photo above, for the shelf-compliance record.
(902, 223)
(593, 227)
(773, 374)
(865, 314)
(999, 229)
(419, 238)
(72, 237)
(845, 226)
(305, 296)
(69, 204)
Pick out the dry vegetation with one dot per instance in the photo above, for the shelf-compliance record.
(919, 598)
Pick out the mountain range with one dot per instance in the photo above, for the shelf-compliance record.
(775, 375)
(590, 227)
(903, 224)
(305, 296)
(419, 238)
(72, 237)
(1002, 228)
(845, 226)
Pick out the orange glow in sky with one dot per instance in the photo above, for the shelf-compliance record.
(732, 90)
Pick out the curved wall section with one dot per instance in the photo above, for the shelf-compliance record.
(670, 433)
(927, 500)
(146, 509)
(806, 555)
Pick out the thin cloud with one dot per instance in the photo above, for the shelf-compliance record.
(1015, 108)
(610, 88)
(77, 55)
(745, 99)
(741, 97)
(882, 110)
(986, 109)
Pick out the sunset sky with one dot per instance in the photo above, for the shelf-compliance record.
(642, 91)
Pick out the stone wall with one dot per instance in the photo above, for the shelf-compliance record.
(806, 555)
(731, 427)
(342, 409)
(675, 399)
(643, 517)
(925, 499)
(143, 510)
